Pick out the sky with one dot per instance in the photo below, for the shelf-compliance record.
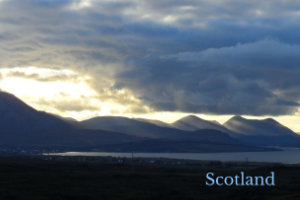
(155, 59)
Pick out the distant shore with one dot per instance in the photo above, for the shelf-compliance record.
(288, 156)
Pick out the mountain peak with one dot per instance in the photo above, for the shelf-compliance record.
(271, 120)
(9, 102)
(237, 117)
(256, 127)
(190, 118)
(194, 123)
(6, 96)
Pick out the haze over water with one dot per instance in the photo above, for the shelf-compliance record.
(289, 156)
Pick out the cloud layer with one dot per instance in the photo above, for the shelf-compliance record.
(256, 78)
(218, 57)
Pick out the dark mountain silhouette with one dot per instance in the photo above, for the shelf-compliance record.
(265, 127)
(23, 126)
(262, 132)
(153, 121)
(148, 130)
(166, 138)
(135, 127)
(193, 123)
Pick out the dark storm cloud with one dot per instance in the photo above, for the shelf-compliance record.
(208, 56)
(257, 78)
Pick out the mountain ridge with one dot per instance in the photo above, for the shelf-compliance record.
(266, 132)
(22, 126)
(245, 126)
(193, 123)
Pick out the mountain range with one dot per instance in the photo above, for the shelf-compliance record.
(193, 123)
(21, 126)
(266, 132)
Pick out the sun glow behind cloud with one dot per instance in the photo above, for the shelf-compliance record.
(154, 59)
(57, 91)
(42, 82)
(69, 94)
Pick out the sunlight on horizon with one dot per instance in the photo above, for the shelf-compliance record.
(57, 91)
(68, 94)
